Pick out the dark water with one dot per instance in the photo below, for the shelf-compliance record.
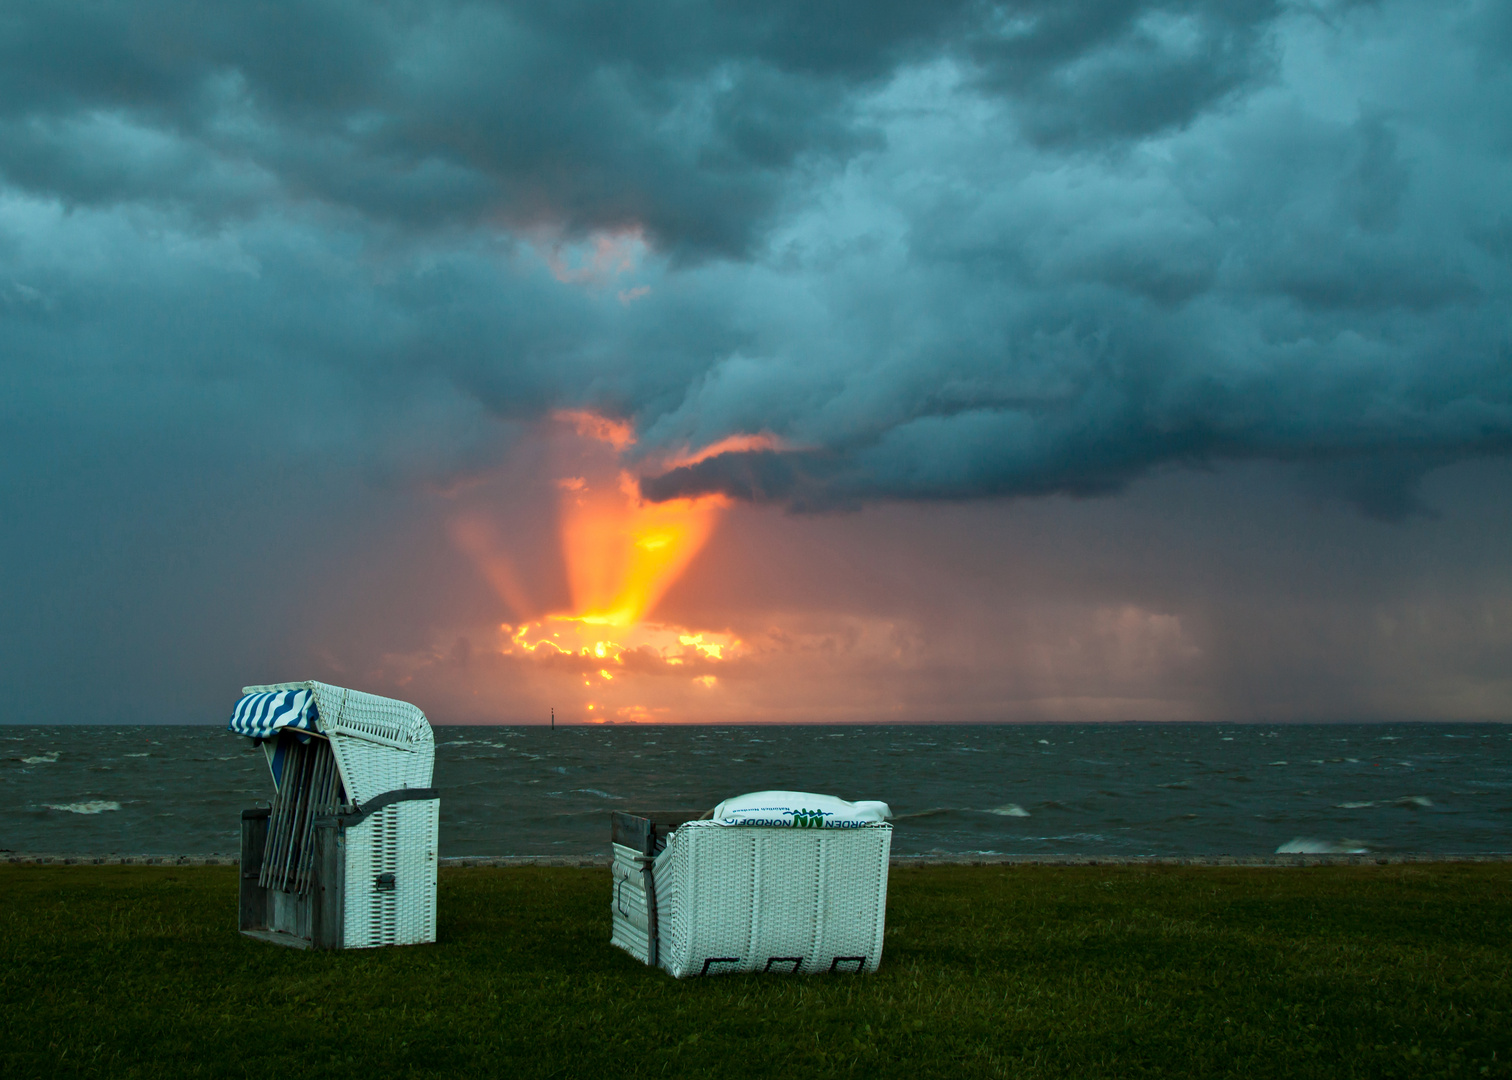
(1113, 789)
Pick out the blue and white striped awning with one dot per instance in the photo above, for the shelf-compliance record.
(261, 716)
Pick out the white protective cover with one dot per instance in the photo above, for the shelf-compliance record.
(789, 900)
(799, 809)
(380, 745)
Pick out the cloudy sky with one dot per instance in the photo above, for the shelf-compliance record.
(1095, 359)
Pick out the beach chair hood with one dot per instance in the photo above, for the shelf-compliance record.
(380, 744)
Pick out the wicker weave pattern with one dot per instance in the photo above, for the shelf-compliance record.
(785, 900)
(398, 840)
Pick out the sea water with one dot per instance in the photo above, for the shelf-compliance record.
(1048, 789)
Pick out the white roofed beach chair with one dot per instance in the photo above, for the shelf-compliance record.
(787, 882)
(345, 857)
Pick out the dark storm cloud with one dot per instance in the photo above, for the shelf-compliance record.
(942, 250)
(1307, 272)
(680, 120)
(686, 120)
(938, 250)
(1095, 71)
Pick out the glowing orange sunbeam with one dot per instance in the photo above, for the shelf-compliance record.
(620, 555)
(623, 553)
(480, 540)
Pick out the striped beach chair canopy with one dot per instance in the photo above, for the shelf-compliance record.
(263, 715)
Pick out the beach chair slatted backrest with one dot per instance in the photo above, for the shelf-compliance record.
(308, 786)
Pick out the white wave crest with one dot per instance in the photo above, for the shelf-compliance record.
(41, 759)
(1306, 845)
(1012, 809)
(98, 807)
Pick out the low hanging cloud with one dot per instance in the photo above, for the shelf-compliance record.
(923, 251)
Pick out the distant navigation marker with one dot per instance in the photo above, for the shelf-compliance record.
(553, 718)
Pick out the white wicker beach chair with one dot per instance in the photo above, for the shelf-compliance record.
(703, 898)
(346, 855)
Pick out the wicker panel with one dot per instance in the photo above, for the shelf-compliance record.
(415, 871)
(370, 770)
(371, 850)
(357, 922)
(398, 840)
(793, 887)
(785, 900)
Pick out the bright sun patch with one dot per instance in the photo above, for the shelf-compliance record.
(621, 554)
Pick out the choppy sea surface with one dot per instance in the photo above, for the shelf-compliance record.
(1093, 789)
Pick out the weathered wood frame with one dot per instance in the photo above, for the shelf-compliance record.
(646, 832)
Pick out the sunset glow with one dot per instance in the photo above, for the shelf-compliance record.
(621, 553)
(731, 444)
(621, 668)
(645, 649)
(619, 556)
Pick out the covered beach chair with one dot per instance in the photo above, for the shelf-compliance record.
(787, 882)
(345, 857)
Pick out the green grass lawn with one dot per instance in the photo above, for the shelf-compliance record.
(988, 971)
